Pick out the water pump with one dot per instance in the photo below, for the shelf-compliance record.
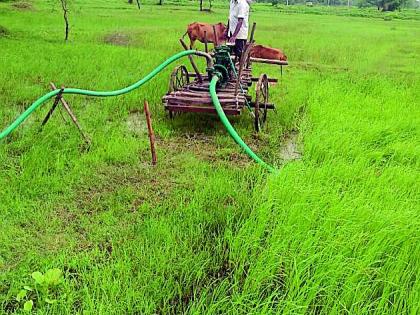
(222, 64)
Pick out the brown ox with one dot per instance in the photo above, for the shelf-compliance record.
(264, 52)
(201, 31)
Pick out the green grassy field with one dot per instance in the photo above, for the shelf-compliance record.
(207, 231)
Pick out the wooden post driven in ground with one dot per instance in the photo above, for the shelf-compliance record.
(151, 133)
(197, 72)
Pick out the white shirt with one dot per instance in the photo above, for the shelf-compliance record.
(239, 9)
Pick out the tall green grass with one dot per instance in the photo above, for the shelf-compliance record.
(206, 231)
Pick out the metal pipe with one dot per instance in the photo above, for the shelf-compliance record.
(197, 72)
(208, 57)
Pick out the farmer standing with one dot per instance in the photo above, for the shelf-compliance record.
(238, 25)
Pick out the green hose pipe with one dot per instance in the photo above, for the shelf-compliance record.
(230, 128)
(130, 88)
(136, 85)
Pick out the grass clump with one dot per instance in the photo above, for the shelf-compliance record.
(4, 31)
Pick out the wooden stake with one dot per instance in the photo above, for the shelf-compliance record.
(197, 72)
(151, 133)
(251, 38)
(216, 42)
(51, 111)
(205, 42)
(70, 112)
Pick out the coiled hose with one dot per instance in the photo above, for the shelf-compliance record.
(136, 85)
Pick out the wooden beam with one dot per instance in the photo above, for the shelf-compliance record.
(206, 47)
(216, 42)
(270, 61)
(200, 109)
(269, 106)
(251, 38)
(271, 80)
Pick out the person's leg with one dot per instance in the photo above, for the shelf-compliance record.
(232, 49)
(239, 48)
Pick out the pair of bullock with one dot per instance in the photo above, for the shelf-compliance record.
(203, 31)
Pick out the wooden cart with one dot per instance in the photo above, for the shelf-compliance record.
(189, 91)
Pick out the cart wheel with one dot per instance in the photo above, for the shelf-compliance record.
(171, 114)
(179, 79)
(261, 101)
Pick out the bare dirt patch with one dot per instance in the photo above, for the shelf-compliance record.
(204, 147)
(201, 145)
(23, 6)
(136, 123)
(117, 39)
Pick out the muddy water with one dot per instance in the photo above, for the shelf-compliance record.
(289, 150)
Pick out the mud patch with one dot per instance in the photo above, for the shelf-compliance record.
(201, 145)
(290, 150)
(205, 148)
(136, 123)
(117, 39)
(24, 6)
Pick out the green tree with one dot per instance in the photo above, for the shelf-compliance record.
(384, 5)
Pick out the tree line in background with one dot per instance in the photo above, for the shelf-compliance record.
(388, 5)
(160, 2)
(384, 5)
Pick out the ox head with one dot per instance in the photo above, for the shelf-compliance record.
(283, 57)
